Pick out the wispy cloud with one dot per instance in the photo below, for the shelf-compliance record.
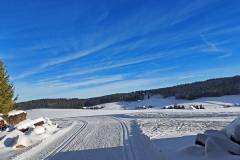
(183, 14)
(190, 10)
(70, 91)
(81, 83)
(104, 50)
(115, 85)
(102, 17)
(210, 46)
(107, 66)
(60, 60)
(226, 55)
(157, 72)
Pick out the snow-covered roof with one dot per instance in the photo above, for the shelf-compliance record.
(15, 112)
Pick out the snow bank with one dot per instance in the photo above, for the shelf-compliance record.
(233, 130)
(215, 145)
(45, 144)
(34, 134)
(39, 130)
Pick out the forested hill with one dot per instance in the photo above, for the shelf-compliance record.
(210, 88)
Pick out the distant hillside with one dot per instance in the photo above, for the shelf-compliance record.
(210, 88)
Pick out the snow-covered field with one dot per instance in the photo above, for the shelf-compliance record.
(123, 133)
(158, 102)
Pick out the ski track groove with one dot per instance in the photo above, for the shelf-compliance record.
(128, 148)
(66, 142)
(129, 153)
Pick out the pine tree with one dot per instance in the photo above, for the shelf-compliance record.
(6, 91)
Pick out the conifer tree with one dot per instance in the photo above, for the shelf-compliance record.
(6, 91)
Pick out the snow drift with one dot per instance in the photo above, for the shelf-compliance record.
(215, 145)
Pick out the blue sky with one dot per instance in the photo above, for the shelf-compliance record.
(87, 48)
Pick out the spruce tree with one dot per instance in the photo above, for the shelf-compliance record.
(6, 91)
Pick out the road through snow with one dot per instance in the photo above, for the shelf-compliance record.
(98, 138)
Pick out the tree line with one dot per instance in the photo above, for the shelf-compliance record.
(79, 103)
(210, 88)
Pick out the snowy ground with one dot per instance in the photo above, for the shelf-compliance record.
(158, 102)
(173, 134)
(102, 137)
(119, 134)
(94, 138)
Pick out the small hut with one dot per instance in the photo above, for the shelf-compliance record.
(16, 116)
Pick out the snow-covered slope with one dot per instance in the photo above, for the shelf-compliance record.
(158, 102)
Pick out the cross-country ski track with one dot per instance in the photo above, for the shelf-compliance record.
(96, 138)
